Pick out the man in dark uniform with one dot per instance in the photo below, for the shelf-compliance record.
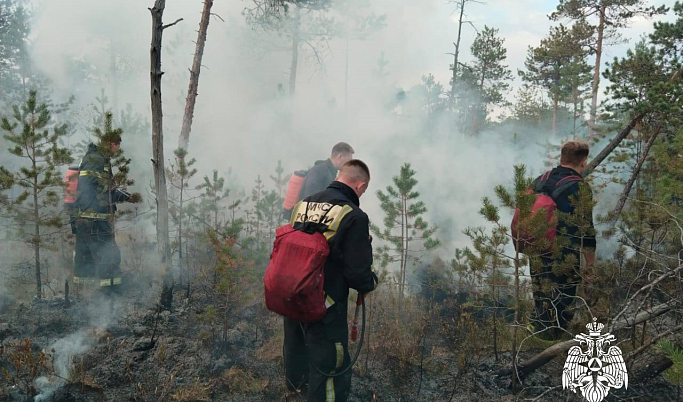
(97, 256)
(556, 277)
(324, 172)
(323, 345)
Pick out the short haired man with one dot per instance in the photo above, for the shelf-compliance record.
(324, 172)
(325, 343)
(557, 277)
(97, 256)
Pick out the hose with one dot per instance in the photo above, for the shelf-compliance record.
(360, 345)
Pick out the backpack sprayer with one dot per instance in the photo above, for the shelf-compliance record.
(360, 306)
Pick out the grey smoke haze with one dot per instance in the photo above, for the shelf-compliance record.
(239, 123)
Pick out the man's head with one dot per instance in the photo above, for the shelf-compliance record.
(355, 174)
(113, 146)
(341, 153)
(574, 155)
(111, 141)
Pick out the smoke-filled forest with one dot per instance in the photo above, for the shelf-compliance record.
(149, 148)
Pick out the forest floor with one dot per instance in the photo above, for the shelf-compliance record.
(117, 348)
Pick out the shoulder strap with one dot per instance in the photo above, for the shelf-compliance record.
(540, 182)
(564, 184)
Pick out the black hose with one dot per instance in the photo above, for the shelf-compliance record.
(360, 346)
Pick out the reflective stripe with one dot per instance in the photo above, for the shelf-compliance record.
(329, 390)
(340, 355)
(109, 282)
(94, 215)
(332, 229)
(84, 280)
(329, 302)
(94, 173)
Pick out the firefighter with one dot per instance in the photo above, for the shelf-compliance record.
(557, 276)
(324, 172)
(97, 257)
(324, 344)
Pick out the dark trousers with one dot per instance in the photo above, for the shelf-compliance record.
(554, 293)
(325, 345)
(98, 257)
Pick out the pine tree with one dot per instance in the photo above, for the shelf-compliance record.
(489, 74)
(558, 65)
(407, 233)
(611, 15)
(300, 23)
(179, 177)
(214, 193)
(491, 257)
(35, 138)
(675, 373)
(120, 164)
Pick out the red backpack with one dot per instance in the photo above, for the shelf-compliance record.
(522, 238)
(295, 274)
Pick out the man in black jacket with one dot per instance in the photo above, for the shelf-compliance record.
(97, 256)
(557, 277)
(324, 172)
(324, 344)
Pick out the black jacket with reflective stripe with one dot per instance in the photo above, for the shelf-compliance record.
(92, 195)
(336, 213)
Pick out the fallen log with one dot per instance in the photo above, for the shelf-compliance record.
(652, 369)
(529, 366)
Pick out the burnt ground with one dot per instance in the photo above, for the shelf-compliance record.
(117, 349)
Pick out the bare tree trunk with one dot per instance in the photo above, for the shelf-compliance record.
(613, 144)
(36, 233)
(555, 106)
(194, 76)
(163, 240)
(515, 329)
(456, 53)
(114, 80)
(346, 80)
(295, 52)
(596, 73)
(634, 175)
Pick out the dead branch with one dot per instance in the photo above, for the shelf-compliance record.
(634, 175)
(529, 366)
(613, 144)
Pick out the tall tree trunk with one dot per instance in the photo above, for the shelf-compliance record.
(114, 80)
(515, 380)
(456, 53)
(346, 80)
(556, 102)
(475, 119)
(163, 240)
(36, 233)
(596, 73)
(295, 52)
(194, 76)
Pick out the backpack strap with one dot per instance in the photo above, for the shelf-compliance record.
(540, 182)
(563, 185)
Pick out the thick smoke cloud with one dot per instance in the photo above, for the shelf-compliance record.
(242, 123)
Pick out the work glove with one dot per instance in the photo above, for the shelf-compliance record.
(135, 198)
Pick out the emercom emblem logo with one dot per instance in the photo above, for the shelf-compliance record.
(593, 369)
